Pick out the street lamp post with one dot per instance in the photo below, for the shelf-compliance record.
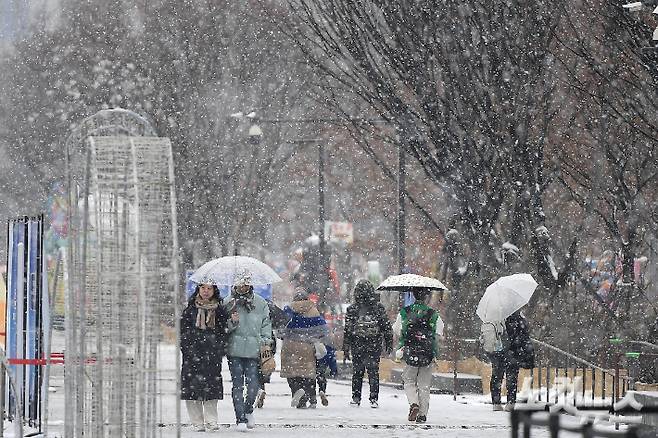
(324, 266)
(401, 189)
(255, 135)
(401, 216)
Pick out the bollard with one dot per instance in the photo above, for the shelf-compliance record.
(554, 425)
(515, 423)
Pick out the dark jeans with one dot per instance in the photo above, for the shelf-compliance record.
(307, 384)
(262, 380)
(321, 377)
(362, 361)
(501, 366)
(244, 371)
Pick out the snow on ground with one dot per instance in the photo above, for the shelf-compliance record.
(468, 417)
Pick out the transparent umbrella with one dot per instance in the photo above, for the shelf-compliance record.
(505, 296)
(225, 271)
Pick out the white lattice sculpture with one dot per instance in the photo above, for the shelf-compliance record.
(122, 286)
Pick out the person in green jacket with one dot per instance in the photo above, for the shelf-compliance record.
(249, 329)
(418, 327)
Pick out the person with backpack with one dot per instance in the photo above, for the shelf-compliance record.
(493, 339)
(518, 352)
(367, 330)
(509, 348)
(418, 327)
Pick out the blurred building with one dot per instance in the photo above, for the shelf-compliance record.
(18, 17)
(13, 18)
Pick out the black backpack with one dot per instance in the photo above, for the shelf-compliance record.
(419, 341)
(367, 325)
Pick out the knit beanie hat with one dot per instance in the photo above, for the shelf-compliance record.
(300, 294)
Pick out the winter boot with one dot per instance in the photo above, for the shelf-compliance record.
(241, 427)
(374, 404)
(199, 427)
(260, 399)
(413, 412)
(497, 407)
(323, 399)
(509, 407)
(251, 421)
(297, 397)
(212, 427)
(421, 419)
(355, 402)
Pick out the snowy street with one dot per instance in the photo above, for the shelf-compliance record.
(448, 196)
(466, 418)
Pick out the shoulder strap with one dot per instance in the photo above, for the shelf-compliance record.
(425, 313)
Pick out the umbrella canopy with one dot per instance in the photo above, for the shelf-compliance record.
(406, 282)
(226, 271)
(505, 296)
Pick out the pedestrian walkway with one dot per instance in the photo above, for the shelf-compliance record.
(468, 417)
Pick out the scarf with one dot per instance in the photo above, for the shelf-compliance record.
(246, 300)
(205, 315)
(308, 327)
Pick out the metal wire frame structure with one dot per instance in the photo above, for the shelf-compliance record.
(121, 278)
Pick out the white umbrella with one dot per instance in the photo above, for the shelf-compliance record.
(406, 282)
(225, 271)
(505, 296)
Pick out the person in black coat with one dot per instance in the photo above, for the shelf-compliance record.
(203, 337)
(367, 331)
(279, 320)
(518, 353)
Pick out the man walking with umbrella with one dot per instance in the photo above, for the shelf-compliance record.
(418, 327)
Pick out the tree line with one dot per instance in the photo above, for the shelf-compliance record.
(531, 127)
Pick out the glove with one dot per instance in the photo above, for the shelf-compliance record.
(398, 354)
(320, 350)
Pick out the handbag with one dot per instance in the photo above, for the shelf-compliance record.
(267, 362)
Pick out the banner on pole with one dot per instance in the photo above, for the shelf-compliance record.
(339, 232)
(26, 305)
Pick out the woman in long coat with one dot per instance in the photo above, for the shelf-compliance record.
(203, 340)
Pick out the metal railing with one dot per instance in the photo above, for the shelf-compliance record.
(559, 377)
(575, 380)
(526, 420)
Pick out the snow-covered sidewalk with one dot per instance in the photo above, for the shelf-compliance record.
(468, 417)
